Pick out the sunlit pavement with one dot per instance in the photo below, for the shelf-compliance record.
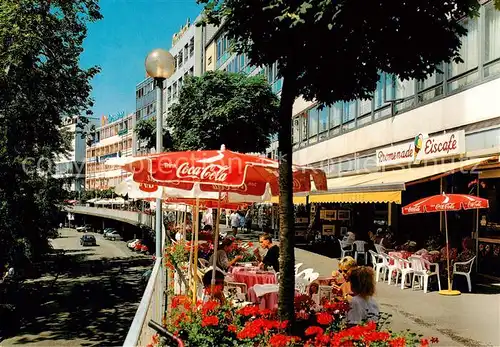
(92, 303)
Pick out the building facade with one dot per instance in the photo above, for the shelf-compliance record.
(71, 166)
(113, 139)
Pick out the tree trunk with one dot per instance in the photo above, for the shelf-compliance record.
(287, 229)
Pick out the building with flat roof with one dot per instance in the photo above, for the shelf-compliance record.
(113, 139)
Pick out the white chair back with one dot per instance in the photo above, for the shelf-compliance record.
(304, 273)
(297, 267)
(312, 276)
(345, 244)
(360, 246)
(416, 263)
(375, 257)
(380, 249)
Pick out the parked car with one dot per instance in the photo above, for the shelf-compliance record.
(132, 243)
(108, 231)
(113, 236)
(84, 228)
(88, 240)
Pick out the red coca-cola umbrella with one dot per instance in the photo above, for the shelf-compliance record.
(444, 203)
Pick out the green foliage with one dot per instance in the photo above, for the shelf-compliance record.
(224, 108)
(40, 83)
(497, 4)
(146, 131)
(97, 193)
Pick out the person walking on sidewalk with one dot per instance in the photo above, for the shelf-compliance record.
(235, 222)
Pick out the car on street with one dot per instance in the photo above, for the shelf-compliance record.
(88, 240)
(108, 231)
(84, 228)
(113, 235)
(133, 243)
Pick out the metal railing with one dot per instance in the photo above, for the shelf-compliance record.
(150, 308)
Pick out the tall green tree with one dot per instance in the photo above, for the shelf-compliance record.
(146, 132)
(40, 83)
(331, 51)
(224, 108)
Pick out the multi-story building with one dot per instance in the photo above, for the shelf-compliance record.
(188, 50)
(113, 139)
(71, 165)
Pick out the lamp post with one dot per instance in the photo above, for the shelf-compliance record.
(160, 66)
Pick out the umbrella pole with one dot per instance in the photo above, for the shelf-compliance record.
(448, 291)
(195, 262)
(184, 222)
(190, 273)
(216, 242)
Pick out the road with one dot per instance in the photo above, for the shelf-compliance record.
(90, 300)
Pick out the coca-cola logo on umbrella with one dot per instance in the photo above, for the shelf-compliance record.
(149, 188)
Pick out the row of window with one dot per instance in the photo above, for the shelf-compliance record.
(174, 90)
(147, 88)
(103, 183)
(184, 54)
(481, 63)
(115, 129)
(123, 145)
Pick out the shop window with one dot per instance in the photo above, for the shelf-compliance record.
(303, 127)
(335, 118)
(365, 112)
(492, 40)
(462, 74)
(404, 92)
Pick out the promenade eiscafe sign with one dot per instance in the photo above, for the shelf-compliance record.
(423, 148)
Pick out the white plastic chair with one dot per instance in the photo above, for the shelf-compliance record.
(406, 272)
(360, 249)
(394, 268)
(380, 249)
(345, 248)
(381, 265)
(424, 269)
(203, 263)
(301, 284)
(311, 276)
(297, 267)
(466, 274)
(305, 272)
(236, 289)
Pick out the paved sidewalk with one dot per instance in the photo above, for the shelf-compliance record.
(465, 320)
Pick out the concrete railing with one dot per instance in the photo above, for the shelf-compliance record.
(130, 217)
(150, 308)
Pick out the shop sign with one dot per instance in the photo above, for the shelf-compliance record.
(110, 118)
(423, 148)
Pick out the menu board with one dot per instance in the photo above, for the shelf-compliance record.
(328, 230)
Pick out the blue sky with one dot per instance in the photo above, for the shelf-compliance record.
(120, 42)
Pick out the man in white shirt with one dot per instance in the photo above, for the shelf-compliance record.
(235, 222)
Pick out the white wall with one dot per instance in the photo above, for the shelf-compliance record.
(468, 107)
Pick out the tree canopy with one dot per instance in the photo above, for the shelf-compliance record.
(224, 108)
(331, 51)
(40, 83)
(146, 131)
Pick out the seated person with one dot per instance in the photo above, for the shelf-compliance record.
(273, 253)
(466, 254)
(222, 262)
(218, 292)
(363, 306)
(340, 282)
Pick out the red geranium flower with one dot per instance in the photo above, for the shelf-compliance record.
(314, 330)
(398, 342)
(324, 318)
(281, 340)
(248, 311)
(209, 306)
(424, 343)
(209, 321)
(232, 328)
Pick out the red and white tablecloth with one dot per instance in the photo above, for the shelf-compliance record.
(251, 278)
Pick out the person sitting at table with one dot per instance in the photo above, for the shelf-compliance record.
(273, 253)
(341, 283)
(222, 262)
(218, 292)
(363, 306)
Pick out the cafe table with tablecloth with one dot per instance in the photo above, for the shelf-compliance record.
(252, 276)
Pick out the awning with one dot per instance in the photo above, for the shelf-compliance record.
(350, 188)
(367, 197)
(297, 200)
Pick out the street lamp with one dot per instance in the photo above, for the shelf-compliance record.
(160, 66)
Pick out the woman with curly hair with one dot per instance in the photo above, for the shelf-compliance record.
(340, 281)
(363, 305)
